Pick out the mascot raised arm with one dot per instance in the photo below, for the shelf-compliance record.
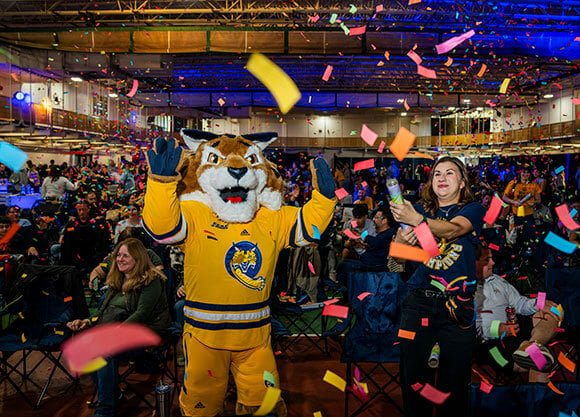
(223, 206)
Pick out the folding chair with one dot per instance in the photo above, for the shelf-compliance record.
(371, 345)
(47, 297)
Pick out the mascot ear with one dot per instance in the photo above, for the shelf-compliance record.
(262, 140)
(193, 138)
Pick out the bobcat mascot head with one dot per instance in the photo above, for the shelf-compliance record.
(230, 174)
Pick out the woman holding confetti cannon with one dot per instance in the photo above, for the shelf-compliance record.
(440, 306)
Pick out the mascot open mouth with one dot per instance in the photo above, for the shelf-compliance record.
(234, 195)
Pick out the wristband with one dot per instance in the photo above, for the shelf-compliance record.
(494, 328)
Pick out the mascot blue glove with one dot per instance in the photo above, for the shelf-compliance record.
(322, 179)
(165, 160)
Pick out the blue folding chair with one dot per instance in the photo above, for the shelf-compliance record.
(373, 338)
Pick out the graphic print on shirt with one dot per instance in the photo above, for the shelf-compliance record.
(243, 262)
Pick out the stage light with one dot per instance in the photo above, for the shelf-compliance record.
(548, 95)
(19, 95)
(403, 114)
(76, 79)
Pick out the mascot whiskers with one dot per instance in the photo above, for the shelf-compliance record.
(223, 206)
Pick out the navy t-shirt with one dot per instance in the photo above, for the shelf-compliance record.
(457, 256)
(378, 251)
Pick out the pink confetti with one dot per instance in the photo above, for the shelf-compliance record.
(327, 72)
(133, 89)
(565, 218)
(417, 386)
(416, 58)
(425, 321)
(426, 239)
(341, 193)
(335, 311)
(311, 267)
(426, 72)
(364, 295)
(368, 135)
(332, 301)
(433, 394)
(387, 55)
(367, 164)
(453, 42)
(541, 300)
(349, 233)
(381, 147)
(485, 387)
(493, 211)
(536, 355)
(357, 31)
(379, 8)
(576, 100)
(354, 224)
(407, 107)
(493, 246)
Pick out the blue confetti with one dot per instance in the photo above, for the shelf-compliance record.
(11, 156)
(559, 169)
(316, 232)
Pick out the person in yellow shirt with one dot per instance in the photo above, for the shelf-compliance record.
(523, 195)
(364, 199)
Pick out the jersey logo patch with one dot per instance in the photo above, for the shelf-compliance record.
(245, 233)
(243, 262)
(199, 405)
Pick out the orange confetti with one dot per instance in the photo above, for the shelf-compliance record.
(412, 253)
(424, 155)
(67, 299)
(402, 143)
(553, 388)
(406, 334)
(566, 363)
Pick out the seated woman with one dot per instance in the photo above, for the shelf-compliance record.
(136, 294)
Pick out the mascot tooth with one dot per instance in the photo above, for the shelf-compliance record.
(222, 204)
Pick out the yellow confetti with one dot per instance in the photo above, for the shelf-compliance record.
(335, 380)
(276, 81)
(21, 315)
(504, 85)
(58, 332)
(23, 338)
(93, 365)
(269, 402)
(317, 414)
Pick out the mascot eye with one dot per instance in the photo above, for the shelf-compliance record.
(252, 159)
(214, 159)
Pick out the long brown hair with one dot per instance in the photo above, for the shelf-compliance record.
(428, 197)
(143, 273)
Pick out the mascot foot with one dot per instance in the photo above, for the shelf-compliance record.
(279, 410)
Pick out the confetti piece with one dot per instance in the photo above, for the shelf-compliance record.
(133, 89)
(317, 414)
(425, 321)
(438, 285)
(416, 58)
(449, 62)
(406, 334)
(559, 243)
(541, 300)
(341, 193)
(553, 388)
(352, 9)
(211, 375)
(493, 211)
(402, 143)
(485, 387)
(504, 85)
(331, 301)
(426, 239)
(417, 386)
(59, 332)
(311, 268)
(333, 18)
(381, 147)
(333, 379)
(344, 28)
(414, 2)
(349, 233)
(573, 212)
(423, 155)
(406, 105)
(559, 169)
(453, 42)
(327, 72)
(357, 31)
(566, 363)
(368, 135)
(576, 100)
(106, 340)
(364, 234)
(496, 355)
(269, 402)
(269, 378)
(482, 70)
(335, 311)
(221, 102)
(276, 81)
(493, 246)
(536, 355)
(426, 72)
(412, 253)
(367, 164)
(93, 366)
(23, 338)
(433, 394)
(11, 156)
(494, 328)
(387, 55)
(379, 8)
(364, 295)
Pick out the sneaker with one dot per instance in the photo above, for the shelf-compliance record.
(523, 359)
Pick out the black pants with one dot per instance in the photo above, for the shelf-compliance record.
(454, 372)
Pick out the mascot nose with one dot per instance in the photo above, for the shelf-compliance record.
(237, 173)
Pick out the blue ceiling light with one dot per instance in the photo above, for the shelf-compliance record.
(19, 96)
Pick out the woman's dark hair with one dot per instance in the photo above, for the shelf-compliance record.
(54, 173)
(428, 197)
(5, 220)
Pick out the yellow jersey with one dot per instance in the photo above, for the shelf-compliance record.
(229, 267)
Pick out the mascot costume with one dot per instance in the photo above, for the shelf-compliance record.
(223, 206)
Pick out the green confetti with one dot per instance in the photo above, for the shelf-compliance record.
(344, 28)
(494, 328)
(352, 9)
(438, 285)
(333, 18)
(269, 379)
(496, 355)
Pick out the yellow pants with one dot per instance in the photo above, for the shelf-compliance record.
(207, 373)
